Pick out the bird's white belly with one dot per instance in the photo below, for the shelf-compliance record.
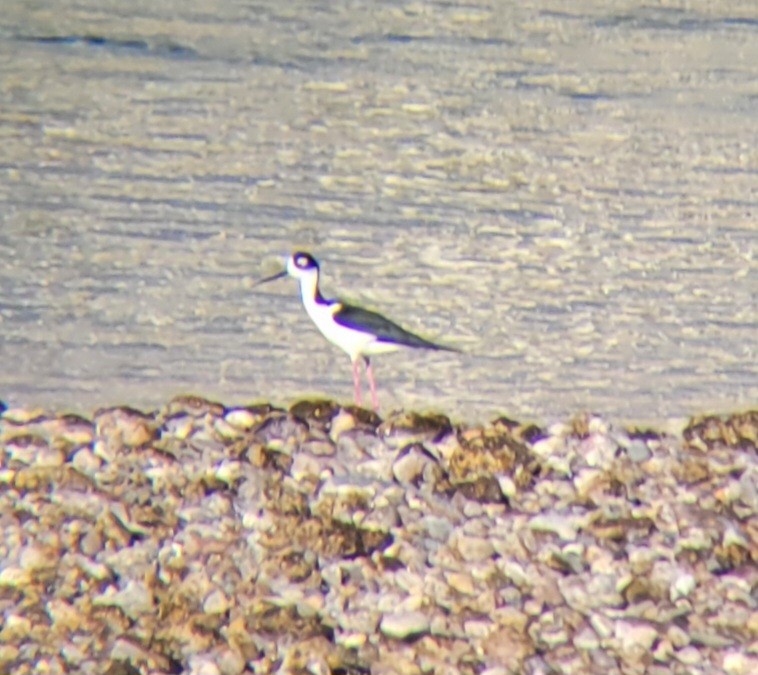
(354, 342)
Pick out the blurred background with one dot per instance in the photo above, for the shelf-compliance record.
(565, 191)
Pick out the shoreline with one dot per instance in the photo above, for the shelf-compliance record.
(673, 425)
(203, 539)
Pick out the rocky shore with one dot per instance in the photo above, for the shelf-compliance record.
(208, 540)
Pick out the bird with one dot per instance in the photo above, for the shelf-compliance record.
(359, 332)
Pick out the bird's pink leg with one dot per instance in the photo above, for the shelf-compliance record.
(372, 384)
(357, 381)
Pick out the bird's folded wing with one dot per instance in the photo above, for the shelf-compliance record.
(384, 329)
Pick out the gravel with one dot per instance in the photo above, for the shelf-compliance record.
(202, 539)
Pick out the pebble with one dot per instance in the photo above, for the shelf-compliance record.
(215, 603)
(586, 639)
(8, 653)
(134, 600)
(473, 549)
(462, 583)
(15, 577)
(635, 639)
(243, 418)
(230, 662)
(404, 625)
(638, 451)
(663, 651)
(323, 540)
(678, 636)
(63, 614)
(689, 656)
(409, 465)
(15, 628)
(566, 527)
(129, 651)
(352, 640)
(84, 461)
(35, 558)
(602, 625)
(478, 628)
(22, 416)
(739, 663)
(683, 585)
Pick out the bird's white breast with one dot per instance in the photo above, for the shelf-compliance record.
(354, 342)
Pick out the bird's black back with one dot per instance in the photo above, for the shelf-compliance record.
(384, 329)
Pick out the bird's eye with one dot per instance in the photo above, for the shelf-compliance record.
(301, 261)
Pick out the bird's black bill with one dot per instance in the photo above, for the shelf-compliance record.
(273, 277)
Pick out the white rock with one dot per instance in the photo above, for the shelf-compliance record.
(437, 528)
(64, 615)
(16, 628)
(203, 665)
(100, 449)
(599, 450)
(33, 557)
(49, 458)
(638, 451)
(241, 418)
(473, 549)
(548, 447)
(311, 606)
(678, 636)
(24, 452)
(663, 651)
(733, 538)
(586, 639)
(507, 486)
(351, 640)
(134, 600)
(93, 569)
(635, 637)
(404, 625)
(478, 629)
(15, 577)
(565, 527)
(125, 650)
(349, 487)
(305, 466)
(215, 602)
(597, 425)
(689, 656)
(602, 625)
(364, 621)
(683, 585)
(179, 426)
(73, 655)
(514, 572)
(229, 472)
(409, 466)
(230, 662)
(738, 663)
(226, 430)
(461, 583)
(86, 462)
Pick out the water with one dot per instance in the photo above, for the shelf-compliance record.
(568, 195)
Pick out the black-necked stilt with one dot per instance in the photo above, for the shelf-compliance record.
(357, 331)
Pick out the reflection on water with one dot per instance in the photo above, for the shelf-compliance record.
(568, 196)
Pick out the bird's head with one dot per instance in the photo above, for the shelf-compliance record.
(301, 266)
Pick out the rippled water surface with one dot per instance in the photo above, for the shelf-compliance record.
(566, 191)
